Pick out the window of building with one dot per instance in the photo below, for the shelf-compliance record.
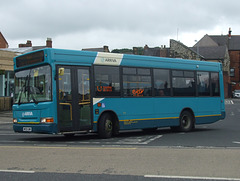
(107, 81)
(6, 83)
(137, 82)
(183, 83)
(203, 83)
(232, 72)
(162, 85)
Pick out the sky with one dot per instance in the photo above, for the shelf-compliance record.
(78, 24)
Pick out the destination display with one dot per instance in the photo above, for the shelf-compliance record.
(30, 59)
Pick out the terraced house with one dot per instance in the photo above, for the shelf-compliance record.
(225, 49)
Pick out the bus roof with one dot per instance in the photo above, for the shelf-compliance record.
(61, 56)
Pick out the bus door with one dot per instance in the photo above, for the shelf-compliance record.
(74, 101)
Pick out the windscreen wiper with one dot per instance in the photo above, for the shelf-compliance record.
(34, 100)
(23, 90)
(29, 89)
(20, 96)
(28, 86)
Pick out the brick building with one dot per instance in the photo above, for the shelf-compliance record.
(6, 67)
(226, 49)
(102, 49)
(3, 41)
(208, 51)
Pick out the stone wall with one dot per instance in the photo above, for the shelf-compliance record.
(180, 50)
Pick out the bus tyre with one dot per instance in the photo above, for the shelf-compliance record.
(105, 127)
(186, 121)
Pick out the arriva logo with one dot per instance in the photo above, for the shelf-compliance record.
(102, 60)
(27, 114)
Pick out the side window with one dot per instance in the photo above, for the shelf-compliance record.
(232, 72)
(183, 83)
(161, 82)
(83, 85)
(215, 84)
(203, 83)
(107, 81)
(137, 82)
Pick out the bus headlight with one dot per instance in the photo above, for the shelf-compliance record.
(47, 120)
(15, 120)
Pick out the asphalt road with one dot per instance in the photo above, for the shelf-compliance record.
(210, 152)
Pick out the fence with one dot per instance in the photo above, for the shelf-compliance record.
(5, 103)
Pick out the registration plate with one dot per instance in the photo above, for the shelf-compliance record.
(27, 129)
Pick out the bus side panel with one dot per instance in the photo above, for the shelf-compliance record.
(169, 109)
(134, 111)
(131, 112)
(209, 110)
(141, 113)
(222, 95)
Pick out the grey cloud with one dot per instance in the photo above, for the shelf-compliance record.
(33, 19)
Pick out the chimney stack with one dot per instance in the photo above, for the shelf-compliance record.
(28, 44)
(135, 50)
(49, 43)
(105, 48)
(229, 33)
(146, 47)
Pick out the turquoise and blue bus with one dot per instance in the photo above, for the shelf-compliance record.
(68, 92)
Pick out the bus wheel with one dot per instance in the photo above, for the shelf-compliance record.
(186, 121)
(105, 127)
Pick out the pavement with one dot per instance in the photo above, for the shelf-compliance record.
(5, 113)
(6, 116)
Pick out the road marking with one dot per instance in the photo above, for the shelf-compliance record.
(17, 171)
(152, 139)
(236, 142)
(189, 177)
(229, 102)
(15, 134)
(5, 122)
(143, 140)
(232, 114)
(67, 147)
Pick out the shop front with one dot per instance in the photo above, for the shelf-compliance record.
(6, 79)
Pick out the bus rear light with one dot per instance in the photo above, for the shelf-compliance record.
(47, 120)
(15, 120)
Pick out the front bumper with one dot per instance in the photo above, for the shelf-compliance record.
(39, 128)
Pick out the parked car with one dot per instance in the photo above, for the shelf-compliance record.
(236, 94)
